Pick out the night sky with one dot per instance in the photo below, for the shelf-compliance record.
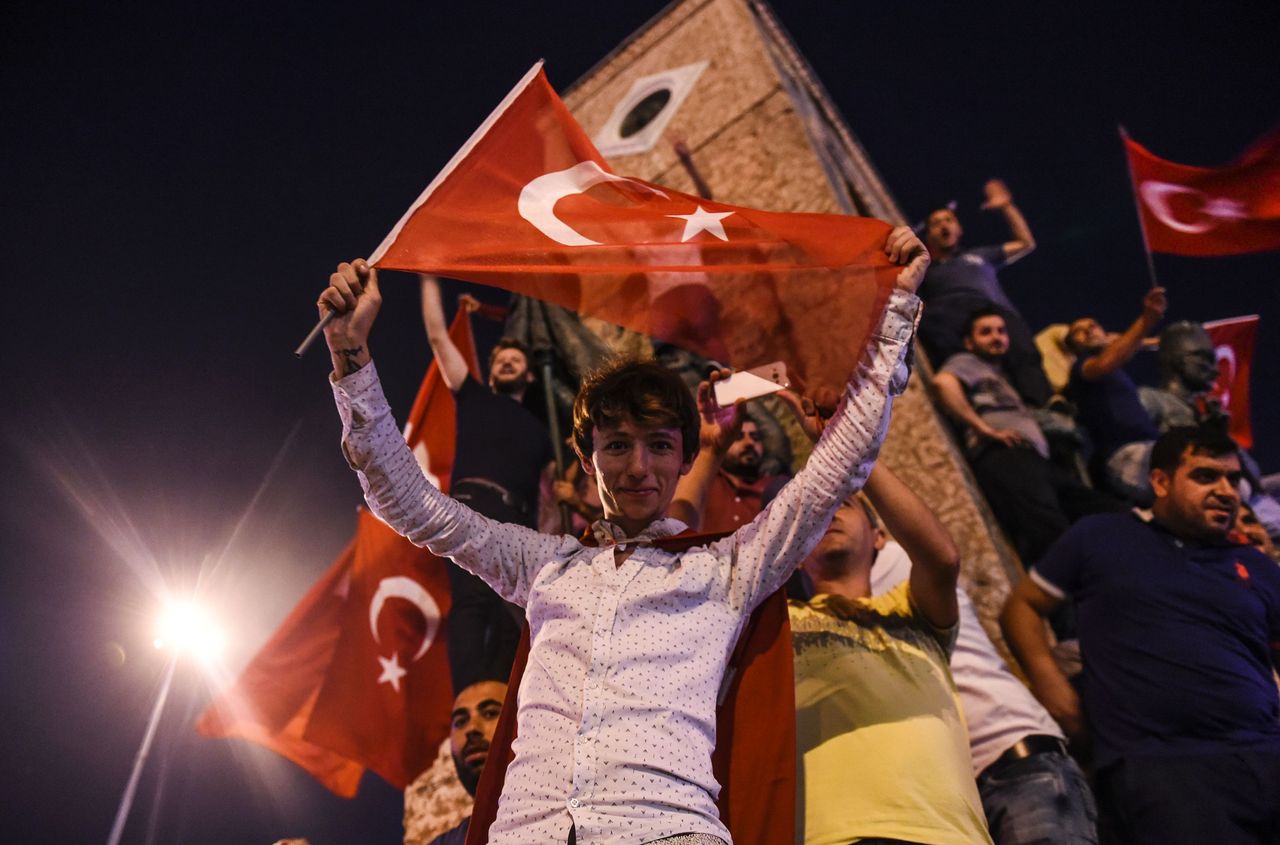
(179, 180)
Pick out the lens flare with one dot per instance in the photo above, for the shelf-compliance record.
(186, 627)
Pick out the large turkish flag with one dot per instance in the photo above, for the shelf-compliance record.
(357, 676)
(529, 205)
(1209, 211)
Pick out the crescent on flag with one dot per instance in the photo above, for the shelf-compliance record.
(401, 587)
(538, 199)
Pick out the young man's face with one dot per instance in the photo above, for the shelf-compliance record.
(636, 469)
(988, 338)
(1086, 336)
(744, 454)
(1200, 499)
(475, 715)
(942, 231)
(509, 371)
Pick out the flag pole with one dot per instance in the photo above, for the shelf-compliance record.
(313, 334)
(544, 361)
(1137, 207)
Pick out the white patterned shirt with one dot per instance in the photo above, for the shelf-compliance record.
(616, 713)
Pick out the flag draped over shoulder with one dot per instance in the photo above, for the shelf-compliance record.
(357, 676)
(1209, 211)
(1233, 342)
(529, 205)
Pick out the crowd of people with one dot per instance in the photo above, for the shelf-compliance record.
(1145, 533)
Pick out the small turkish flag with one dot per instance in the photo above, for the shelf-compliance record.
(1233, 342)
(1209, 211)
(529, 205)
(357, 676)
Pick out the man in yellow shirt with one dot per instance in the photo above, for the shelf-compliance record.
(884, 753)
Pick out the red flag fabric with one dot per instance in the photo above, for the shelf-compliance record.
(357, 676)
(1209, 211)
(528, 204)
(1233, 342)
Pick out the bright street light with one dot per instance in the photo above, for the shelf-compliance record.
(186, 627)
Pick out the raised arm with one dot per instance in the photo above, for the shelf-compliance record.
(1122, 349)
(999, 199)
(505, 556)
(935, 561)
(717, 429)
(764, 553)
(453, 367)
(1023, 623)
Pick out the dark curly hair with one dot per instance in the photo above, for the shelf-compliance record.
(644, 391)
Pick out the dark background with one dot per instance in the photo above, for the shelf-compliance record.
(179, 179)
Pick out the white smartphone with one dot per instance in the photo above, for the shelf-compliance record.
(748, 384)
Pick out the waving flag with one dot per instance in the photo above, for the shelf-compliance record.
(1209, 211)
(357, 676)
(529, 205)
(1233, 342)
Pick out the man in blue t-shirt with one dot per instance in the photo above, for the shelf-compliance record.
(1179, 633)
(961, 281)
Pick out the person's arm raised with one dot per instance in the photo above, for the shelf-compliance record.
(354, 299)
(935, 561)
(453, 367)
(718, 427)
(1122, 349)
(1000, 199)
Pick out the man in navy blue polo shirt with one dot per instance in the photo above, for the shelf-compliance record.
(1179, 632)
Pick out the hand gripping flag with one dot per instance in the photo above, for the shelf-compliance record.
(357, 676)
(1209, 211)
(529, 205)
(1233, 342)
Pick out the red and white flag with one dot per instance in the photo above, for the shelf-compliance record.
(528, 204)
(1233, 342)
(357, 676)
(1209, 211)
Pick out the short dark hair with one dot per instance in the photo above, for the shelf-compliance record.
(645, 391)
(1210, 440)
(509, 342)
(978, 314)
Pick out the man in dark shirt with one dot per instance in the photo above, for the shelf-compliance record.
(502, 452)
(1179, 633)
(960, 281)
(1106, 398)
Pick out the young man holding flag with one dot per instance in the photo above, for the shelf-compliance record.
(629, 641)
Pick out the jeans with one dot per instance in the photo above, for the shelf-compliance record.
(1040, 799)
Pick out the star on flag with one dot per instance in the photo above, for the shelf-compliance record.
(392, 671)
(703, 221)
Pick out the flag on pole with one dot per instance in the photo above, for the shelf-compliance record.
(528, 204)
(1209, 211)
(357, 676)
(1233, 342)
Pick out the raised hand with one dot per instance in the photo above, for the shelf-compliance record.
(904, 248)
(998, 195)
(354, 299)
(719, 426)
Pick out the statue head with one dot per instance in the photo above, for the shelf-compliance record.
(1187, 359)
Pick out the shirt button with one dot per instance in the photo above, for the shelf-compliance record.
(574, 803)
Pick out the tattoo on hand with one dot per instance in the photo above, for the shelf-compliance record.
(347, 363)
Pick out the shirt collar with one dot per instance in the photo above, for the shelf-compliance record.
(608, 534)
